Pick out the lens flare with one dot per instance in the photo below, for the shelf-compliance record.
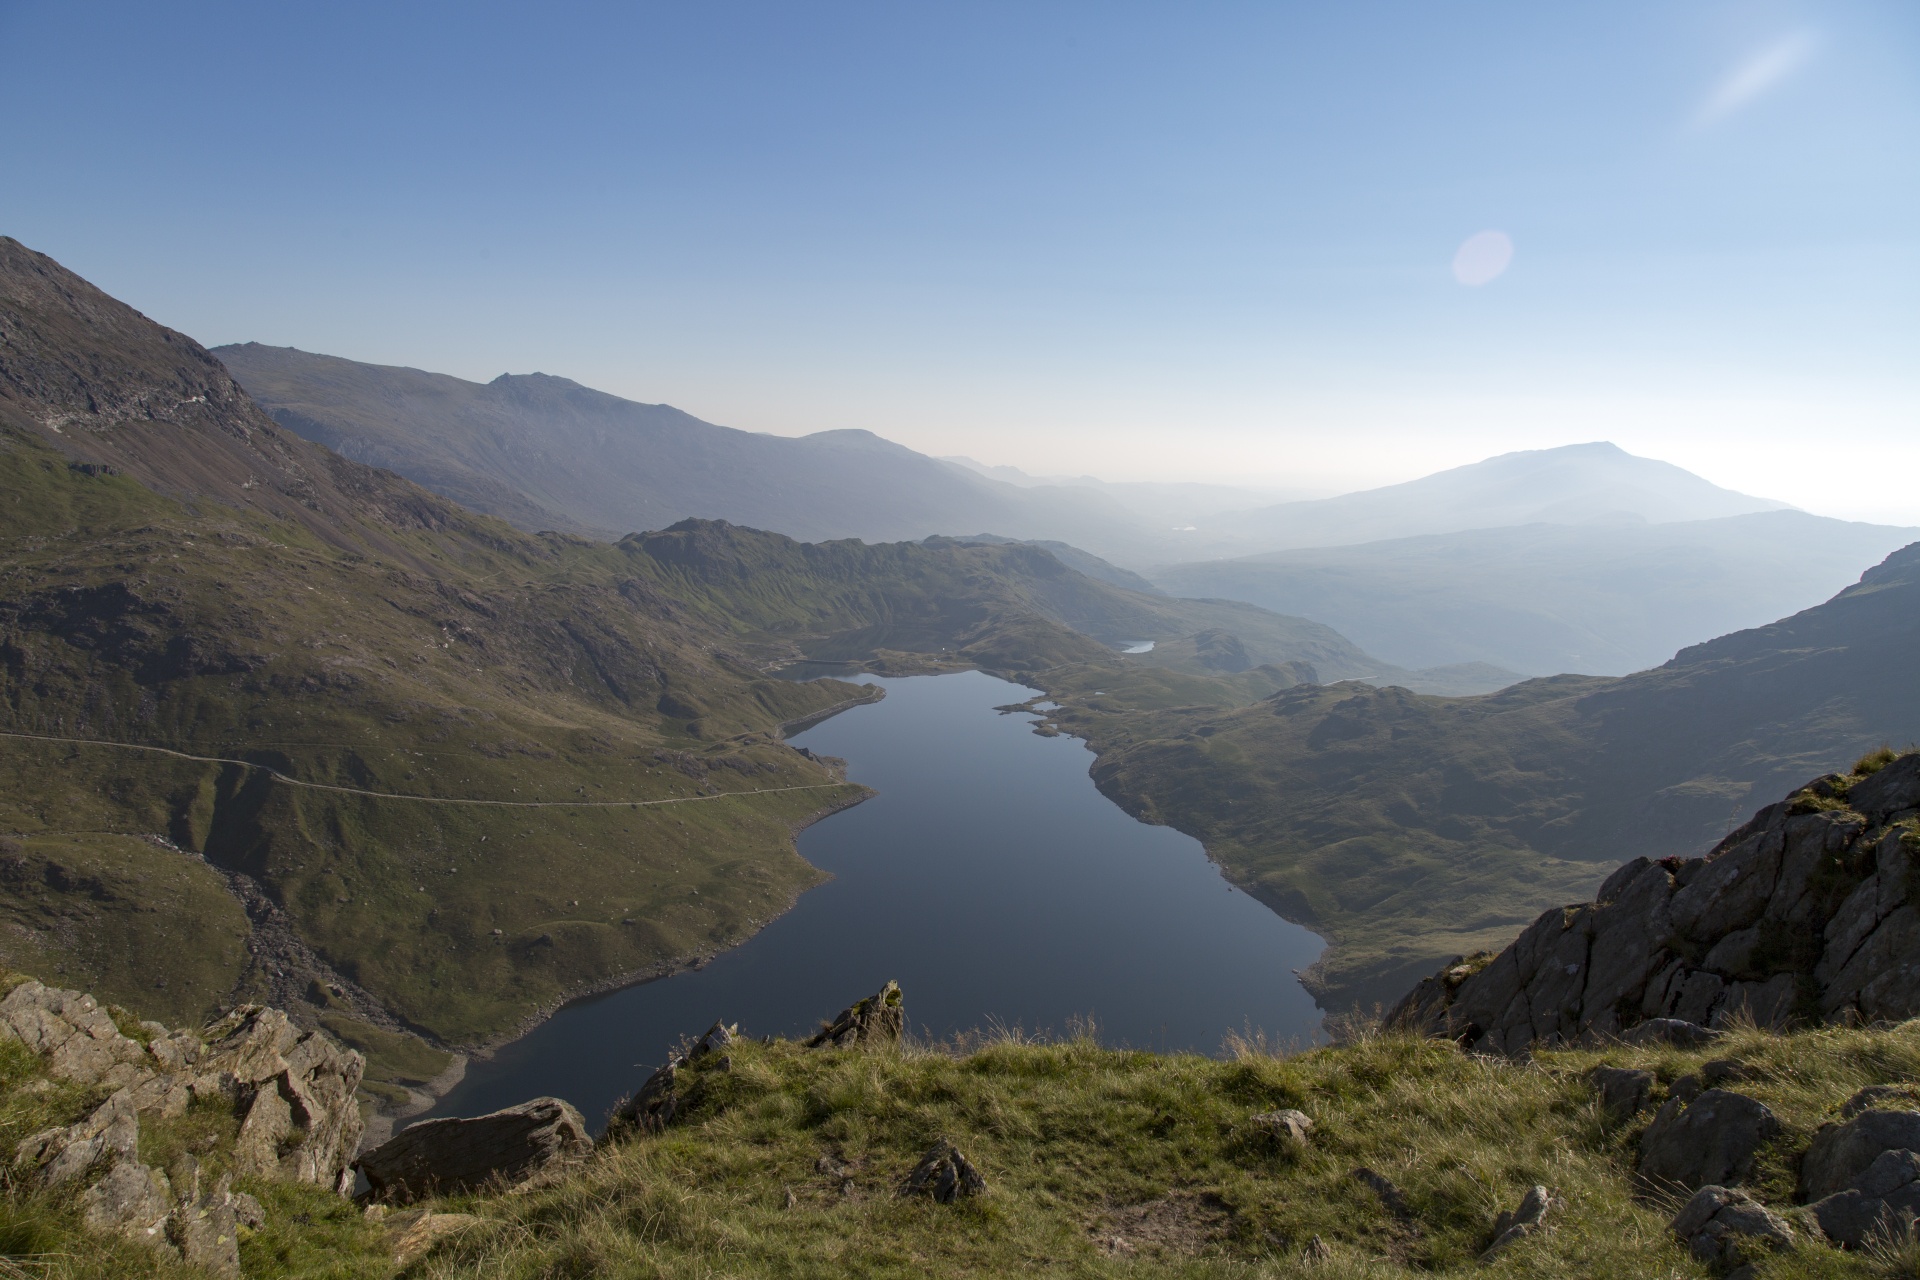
(1482, 257)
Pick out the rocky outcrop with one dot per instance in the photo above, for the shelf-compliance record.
(291, 1092)
(878, 1019)
(1708, 1141)
(1807, 913)
(658, 1100)
(499, 1150)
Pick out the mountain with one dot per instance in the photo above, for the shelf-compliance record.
(278, 724)
(1601, 598)
(546, 453)
(1573, 484)
(1171, 506)
(1406, 829)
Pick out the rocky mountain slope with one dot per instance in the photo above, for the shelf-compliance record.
(1602, 598)
(1406, 829)
(547, 453)
(1803, 915)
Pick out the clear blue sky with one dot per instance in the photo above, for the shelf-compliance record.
(1193, 240)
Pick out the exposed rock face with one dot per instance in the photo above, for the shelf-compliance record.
(1725, 1228)
(292, 1091)
(1840, 1153)
(944, 1174)
(450, 1155)
(1710, 1141)
(878, 1019)
(1802, 914)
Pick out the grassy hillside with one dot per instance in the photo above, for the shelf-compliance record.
(786, 1161)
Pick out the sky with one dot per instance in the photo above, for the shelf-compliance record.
(1309, 247)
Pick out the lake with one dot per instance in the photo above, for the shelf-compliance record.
(990, 878)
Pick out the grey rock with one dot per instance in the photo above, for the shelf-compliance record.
(1512, 1227)
(205, 1226)
(944, 1175)
(294, 1091)
(132, 1200)
(1894, 789)
(1840, 1153)
(1708, 1142)
(450, 1155)
(1624, 1092)
(75, 1036)
(1288, 1127)
(878, 1019)
(653, 1107)
(108, 1134)
(1725, 1227)
(1881, 1202)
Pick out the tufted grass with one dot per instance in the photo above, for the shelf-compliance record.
(1081, 1144)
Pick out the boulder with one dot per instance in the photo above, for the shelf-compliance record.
(1288, 1127)
(1881, 1202)
(878, 1019)
(1726, 1228)
(1624, 1091)
(1708, 1142)
(1512, 1227)
(1840, 1153)
(944, 1174)
(450, 1155)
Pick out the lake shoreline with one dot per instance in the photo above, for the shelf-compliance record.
(990, 830)
(386, 1118)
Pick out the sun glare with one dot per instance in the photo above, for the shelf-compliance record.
(1482, 257)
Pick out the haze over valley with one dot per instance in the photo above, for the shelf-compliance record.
(1228, 641)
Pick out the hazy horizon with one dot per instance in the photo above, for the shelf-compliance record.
(1296, 249)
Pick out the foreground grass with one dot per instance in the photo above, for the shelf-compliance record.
(1100, 1162)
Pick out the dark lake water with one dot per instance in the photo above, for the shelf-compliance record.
(991, 879)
